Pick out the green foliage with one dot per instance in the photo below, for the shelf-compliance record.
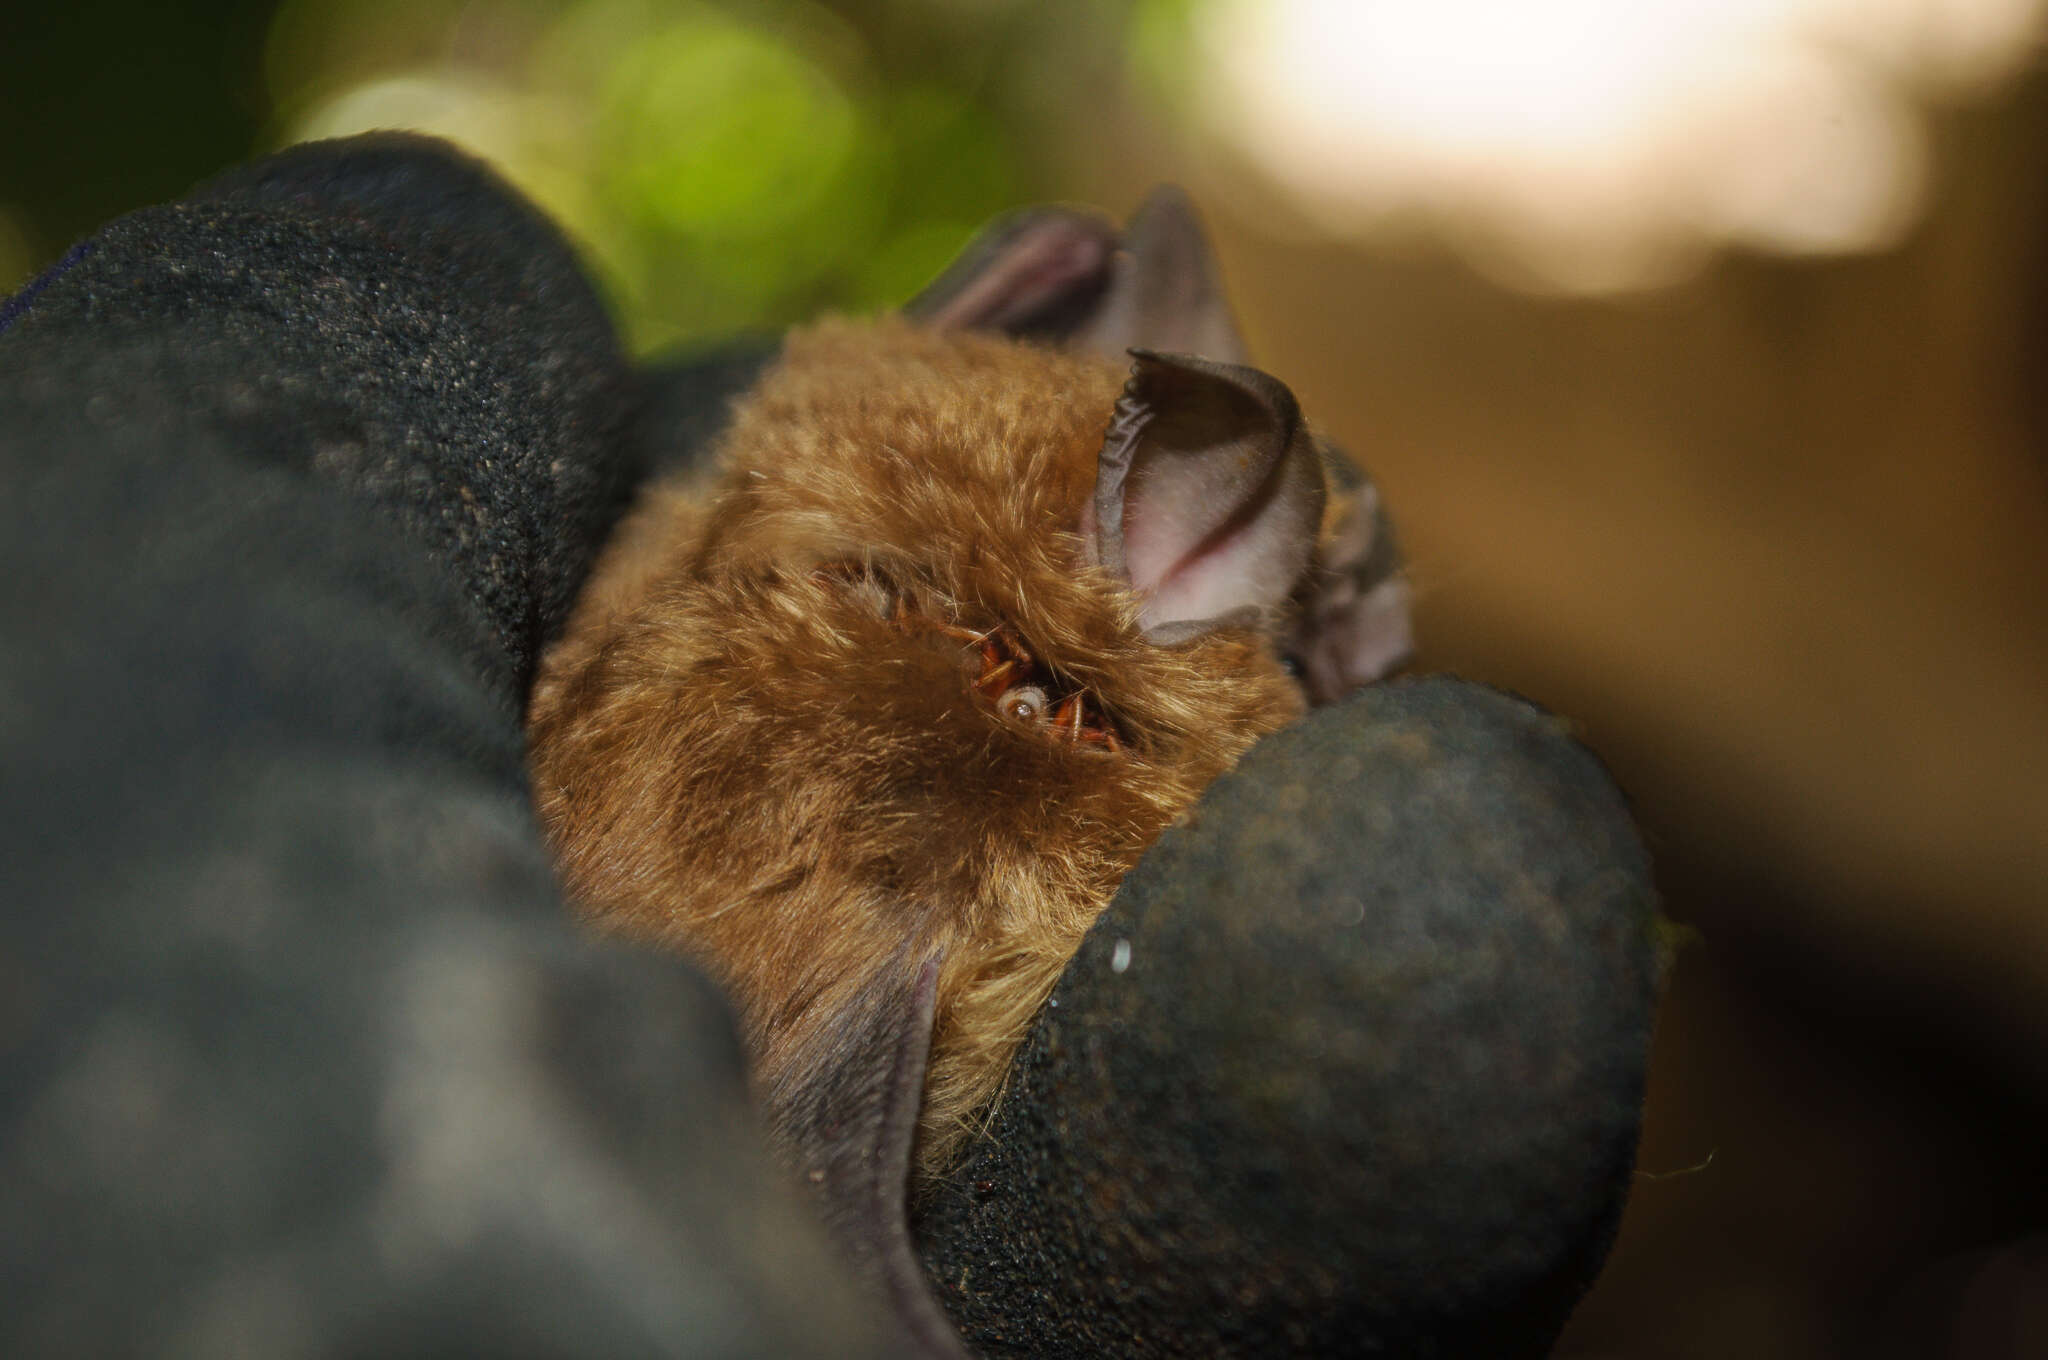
(725, 165)
(1160, 36)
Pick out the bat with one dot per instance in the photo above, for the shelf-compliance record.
(871, 718)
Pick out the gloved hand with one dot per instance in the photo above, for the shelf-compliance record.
(303, 1054)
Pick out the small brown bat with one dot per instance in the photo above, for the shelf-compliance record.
(872, 719)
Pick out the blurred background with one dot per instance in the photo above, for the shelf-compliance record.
(1697, 345)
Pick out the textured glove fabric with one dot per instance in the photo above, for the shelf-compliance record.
(302, 1055)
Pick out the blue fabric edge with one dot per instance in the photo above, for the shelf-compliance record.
(14, 308)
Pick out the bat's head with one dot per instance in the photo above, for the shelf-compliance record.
(981, 601)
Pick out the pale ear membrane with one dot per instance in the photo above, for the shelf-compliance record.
(1208, 495)
(1068, 277)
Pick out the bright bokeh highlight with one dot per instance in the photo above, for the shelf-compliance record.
(1589, 145)
(732, 164)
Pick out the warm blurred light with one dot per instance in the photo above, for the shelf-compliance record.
(1596, 144)
(483, 115)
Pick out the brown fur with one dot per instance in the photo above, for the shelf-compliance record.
(739, 756)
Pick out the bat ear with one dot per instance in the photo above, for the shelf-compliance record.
(1038, 272)
(1353, 627)
(1208, 494)
(850, 1129)
(1068, 277)
(1164, 292)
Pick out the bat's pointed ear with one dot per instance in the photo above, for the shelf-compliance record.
(1067, 276)
(1208, 495)
(1038, 272)
(1164, 292)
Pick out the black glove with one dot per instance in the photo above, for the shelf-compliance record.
(302, 1053)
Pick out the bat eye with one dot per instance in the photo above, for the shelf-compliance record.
(1024, 704)
(1292, 665)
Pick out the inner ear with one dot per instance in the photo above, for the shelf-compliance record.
(1039, 273)
(1068, 277)
(1208, 494)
